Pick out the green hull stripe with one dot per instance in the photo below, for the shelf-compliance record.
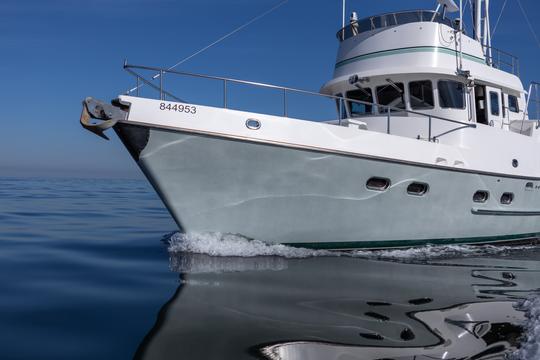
(416, 49)
(411, 243)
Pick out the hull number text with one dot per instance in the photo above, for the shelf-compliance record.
(188, 109)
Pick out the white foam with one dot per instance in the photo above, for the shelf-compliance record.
(218, 244)
(431, 252)
(530, 345)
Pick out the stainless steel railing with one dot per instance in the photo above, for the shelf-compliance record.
(384, 111)
(502, 60)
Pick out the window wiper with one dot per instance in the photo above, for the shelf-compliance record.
(394, 85)
(364, 91)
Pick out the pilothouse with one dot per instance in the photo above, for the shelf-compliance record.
(432, 143)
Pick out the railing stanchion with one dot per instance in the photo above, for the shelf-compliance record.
(160, 84)
(341, 107)
(388, 120)
(138, 85)
(285, 102)
(429, 129)
(225, 94)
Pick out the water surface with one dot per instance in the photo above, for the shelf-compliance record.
(92, 269)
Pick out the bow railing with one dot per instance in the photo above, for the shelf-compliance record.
(386, 112)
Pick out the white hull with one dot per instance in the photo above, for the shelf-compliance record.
(217, 181)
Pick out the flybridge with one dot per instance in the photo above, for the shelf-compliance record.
(481, 33)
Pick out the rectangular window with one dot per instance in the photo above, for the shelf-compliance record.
(513, 105)
(359, 109)
(421, 94)
(391, 95)
(494, 101)
(451, 94)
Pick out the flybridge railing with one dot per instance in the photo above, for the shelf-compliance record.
(392, 19)
(382, 111)
(502, 60)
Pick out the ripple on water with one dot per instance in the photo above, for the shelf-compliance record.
(530, 344)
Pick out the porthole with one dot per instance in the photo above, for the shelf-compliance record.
(507, 198)
(417, 189)
(378, 184)
(253, 124)
(529, 186)
(480, 196)
(515, 163)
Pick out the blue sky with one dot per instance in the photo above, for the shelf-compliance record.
(56, 52)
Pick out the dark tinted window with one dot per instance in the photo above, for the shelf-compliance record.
(363, 94)
(513, 104)
(391, 95)
(421, 94)
(408, 17)
(451, 94)
(494, 101)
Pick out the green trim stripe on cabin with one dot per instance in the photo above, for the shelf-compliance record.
(413, 243)
(408, 50)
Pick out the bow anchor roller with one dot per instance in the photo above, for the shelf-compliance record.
(98, 116)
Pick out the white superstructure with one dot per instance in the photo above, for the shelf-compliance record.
(432, 144)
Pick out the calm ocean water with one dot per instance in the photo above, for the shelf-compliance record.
(92, 269)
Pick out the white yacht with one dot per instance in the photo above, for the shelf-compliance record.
(431, 143)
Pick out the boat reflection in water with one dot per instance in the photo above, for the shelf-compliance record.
(343, 308)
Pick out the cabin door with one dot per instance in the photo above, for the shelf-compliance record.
(480, 104)
(495, 112)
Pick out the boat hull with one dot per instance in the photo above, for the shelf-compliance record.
(279, 194)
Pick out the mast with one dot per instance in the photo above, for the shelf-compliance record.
(482, 30)
(460, 35)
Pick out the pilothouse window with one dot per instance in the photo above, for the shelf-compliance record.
(359, 109)
(391, 95)
(421, 94)
(494, 101)
(451, 94)
(513, 104)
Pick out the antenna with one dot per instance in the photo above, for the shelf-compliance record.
(343, 14)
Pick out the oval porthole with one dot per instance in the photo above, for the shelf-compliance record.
(480, 196)
(378, 184)
(515, 163)
(507, 198)
(529, 186)
(253, 124)
(417, 189)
